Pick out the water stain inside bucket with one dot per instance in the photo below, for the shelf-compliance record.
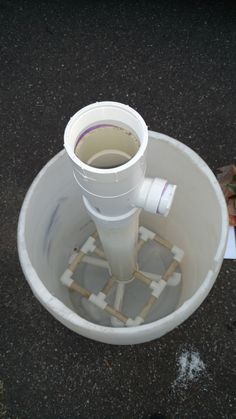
(106, 146)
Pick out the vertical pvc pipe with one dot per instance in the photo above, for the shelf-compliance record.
(119, 239)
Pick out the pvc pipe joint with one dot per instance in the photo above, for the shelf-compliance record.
(114, 191)
(156, 196)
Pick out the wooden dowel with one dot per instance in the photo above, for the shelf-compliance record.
(109, 309)
(143, 278)
(140, 244)
(99, 253)
(95, 235)
(76, 261)
(170, 270)
(82, 291)
(147, 307)
(163, 242)
(108, 286)
(115, 313)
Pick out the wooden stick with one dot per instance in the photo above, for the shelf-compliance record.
(140, 244)
(109, 309)
(81, 290)
(170, 270)
(108, 286)
(95, 235)
(163, 242)
(143, 278)
(99, 253)
(147, 307)
(115, 313)
(76, 261)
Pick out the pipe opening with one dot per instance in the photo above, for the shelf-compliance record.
(106, 146)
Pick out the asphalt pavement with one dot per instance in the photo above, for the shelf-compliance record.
(174, 62)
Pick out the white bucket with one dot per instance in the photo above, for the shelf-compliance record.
(53, 220)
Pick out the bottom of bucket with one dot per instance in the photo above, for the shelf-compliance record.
(153, 261)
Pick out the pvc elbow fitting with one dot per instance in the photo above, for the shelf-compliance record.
(156, 196)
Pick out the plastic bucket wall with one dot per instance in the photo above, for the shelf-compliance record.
(53, 219)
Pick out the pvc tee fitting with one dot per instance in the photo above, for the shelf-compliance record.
(114, 191)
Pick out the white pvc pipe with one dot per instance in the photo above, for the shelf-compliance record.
(119, 239)
(96, 262)
(120, 290)
(104, 134)
(155, 196)
(114, 191)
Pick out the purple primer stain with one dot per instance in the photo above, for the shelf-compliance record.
(91, 129)
(163, 191)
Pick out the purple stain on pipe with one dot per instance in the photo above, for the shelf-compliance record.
(91, 129)
(163, 191)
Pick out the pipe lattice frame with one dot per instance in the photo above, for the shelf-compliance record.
(156, 283)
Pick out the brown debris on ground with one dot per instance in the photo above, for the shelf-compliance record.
(227, 180)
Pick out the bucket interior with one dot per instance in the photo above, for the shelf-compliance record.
(56, 222)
